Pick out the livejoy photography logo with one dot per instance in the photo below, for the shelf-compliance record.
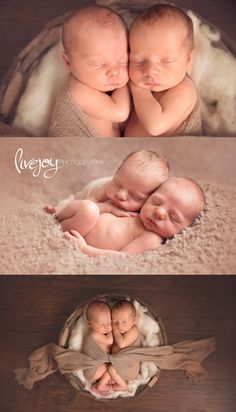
(48, 167)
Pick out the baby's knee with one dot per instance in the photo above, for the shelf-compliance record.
(90, 208)
(111, 370)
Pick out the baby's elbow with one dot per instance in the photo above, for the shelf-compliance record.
(156, 128)
(122, 115)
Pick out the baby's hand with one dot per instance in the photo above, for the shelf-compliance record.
(115, 328)
(123, 213)
(76, 238)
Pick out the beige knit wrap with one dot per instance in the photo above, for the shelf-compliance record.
(186, 355)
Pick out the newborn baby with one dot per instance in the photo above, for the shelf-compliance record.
(98, 314)
(135, 179)
(125, 334)
(165, 99)
(96, 99)
(172, 207)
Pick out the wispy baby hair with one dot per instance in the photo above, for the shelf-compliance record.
(96, 305)
(86, 17)
(164, 12)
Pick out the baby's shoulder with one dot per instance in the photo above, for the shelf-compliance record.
(188, 89)
(81, 93)
(151, 240)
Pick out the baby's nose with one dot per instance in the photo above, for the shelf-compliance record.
(121, 195)
(160, 213)
(113, 71)
(150, 69)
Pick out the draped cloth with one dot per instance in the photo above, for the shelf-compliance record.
(186, 355)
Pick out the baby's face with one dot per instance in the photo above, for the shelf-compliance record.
(100, 59)
(168, 210)
(159, 56)
(122, 319)
(130, 187)
(100, 322)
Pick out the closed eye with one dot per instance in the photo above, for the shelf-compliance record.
(117, 184)
(96, 65)
(137, 63)
(174, 219)
(156, 202)
(168, 61)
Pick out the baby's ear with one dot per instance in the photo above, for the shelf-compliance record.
(191, 57)
(66, 61)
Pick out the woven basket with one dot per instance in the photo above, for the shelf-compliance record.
(70, 324)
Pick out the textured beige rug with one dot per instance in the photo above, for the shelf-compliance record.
(31, 242)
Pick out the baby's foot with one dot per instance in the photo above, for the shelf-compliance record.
(117, 387)
(104, 391)
(50, 209)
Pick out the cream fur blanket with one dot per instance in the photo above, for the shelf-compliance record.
(32, 242)
(213, 72)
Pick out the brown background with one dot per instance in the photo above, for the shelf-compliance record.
(33, 310)
(21, 20)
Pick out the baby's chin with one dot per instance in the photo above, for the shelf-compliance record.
(153, 87)
(112, 87)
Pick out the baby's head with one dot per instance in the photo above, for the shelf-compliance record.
(98, 314)
(173, 206)
(123, 314)
(161, 47)
(96, 48)
(136, 178)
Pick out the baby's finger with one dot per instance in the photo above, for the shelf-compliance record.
(75, 233)
(67, 235)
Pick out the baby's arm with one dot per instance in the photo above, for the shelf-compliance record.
(108, 207)
(169, 112)
(127, 339)
(146, 241)
(99, 195)
(114, 108)
(103, 339)
(79, 241)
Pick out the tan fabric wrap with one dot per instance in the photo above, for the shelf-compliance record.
(129, 369)
(68, 119)
(192, 126)
(186, 355)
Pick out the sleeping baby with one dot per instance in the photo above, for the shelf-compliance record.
(96, 99)
(136, 178)
(166, 101)
(173, 206)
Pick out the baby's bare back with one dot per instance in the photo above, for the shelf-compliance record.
(114, 233)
